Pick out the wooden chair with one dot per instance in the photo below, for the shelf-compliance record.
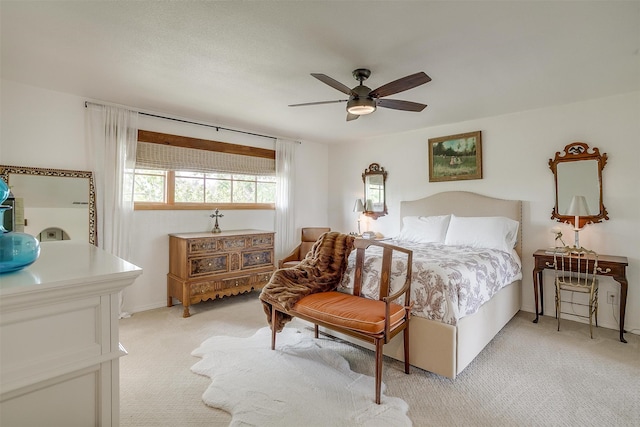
(575, 270)
(374, 321)
(309, 236)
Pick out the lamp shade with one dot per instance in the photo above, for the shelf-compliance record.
(578, 207)
(358, 206)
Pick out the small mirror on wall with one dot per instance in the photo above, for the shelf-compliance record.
(374, 178)
(578, 176)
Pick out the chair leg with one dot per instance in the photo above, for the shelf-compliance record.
(593, 311)
(273, 328)
(558, 306)
(406, 350)
(595, 302)
(315, 330)
(379, 356)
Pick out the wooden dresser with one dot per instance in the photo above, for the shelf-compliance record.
(206, 266)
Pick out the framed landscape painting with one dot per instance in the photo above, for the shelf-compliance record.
(455, 157)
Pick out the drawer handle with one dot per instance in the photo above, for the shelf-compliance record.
(209, 264)
(600, 270)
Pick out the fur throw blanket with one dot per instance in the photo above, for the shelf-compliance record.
(320, 271)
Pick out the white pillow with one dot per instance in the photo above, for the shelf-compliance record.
(495, 232)
(424, 229)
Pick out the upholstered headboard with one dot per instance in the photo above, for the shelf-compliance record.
(465, 203)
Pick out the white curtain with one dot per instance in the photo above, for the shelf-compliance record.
(285, 203)
(112, 135)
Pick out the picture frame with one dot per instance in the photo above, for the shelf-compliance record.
(455, 157)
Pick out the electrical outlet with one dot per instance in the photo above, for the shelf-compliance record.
(612, 298)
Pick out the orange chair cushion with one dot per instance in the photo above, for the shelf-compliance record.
(349, 311)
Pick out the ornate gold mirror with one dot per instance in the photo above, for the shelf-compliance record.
(374, 178)
(578, 172)
(52, 204)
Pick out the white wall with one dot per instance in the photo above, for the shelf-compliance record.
(42, 128)
(516, 151)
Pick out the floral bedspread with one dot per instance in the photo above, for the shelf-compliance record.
(448, 282)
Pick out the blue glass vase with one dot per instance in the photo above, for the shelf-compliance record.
(17, 250)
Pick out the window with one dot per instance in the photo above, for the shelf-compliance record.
(171, 176)
(149, 186)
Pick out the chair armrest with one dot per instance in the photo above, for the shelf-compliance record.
(406, 287)
(294, 255)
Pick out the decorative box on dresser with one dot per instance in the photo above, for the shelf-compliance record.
(59, 348)
(206, 266)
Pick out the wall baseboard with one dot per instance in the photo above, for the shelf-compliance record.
(146, 307)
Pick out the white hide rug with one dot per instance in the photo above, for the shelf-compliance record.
(297, 384)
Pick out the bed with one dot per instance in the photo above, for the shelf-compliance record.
(446, 344)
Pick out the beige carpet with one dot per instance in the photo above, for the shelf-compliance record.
(529, 375)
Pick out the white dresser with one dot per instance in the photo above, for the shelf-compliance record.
(59, 345)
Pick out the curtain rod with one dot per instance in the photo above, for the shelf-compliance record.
(217, 128)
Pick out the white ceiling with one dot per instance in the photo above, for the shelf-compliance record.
(239, 64)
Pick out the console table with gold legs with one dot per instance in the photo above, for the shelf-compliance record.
(608, 265)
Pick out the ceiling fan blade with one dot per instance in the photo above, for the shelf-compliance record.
(398, 104)
(400, 85)
(333, 83)
(351, 116)
(318, 103)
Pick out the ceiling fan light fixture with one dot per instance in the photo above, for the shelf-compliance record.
(362, 100)
(361, 106)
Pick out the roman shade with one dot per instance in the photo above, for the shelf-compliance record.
(166, 157)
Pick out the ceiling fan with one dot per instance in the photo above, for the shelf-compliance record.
(362, 100)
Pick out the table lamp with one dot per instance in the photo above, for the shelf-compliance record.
(358, 207)
(577, 208)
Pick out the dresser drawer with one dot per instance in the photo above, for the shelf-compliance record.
(261, 279)
(208, 265)
(233, 244)
(236, 282)
(200, 246)
(227, 244)
(254, 259)
(208, 288)
(262, 241)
